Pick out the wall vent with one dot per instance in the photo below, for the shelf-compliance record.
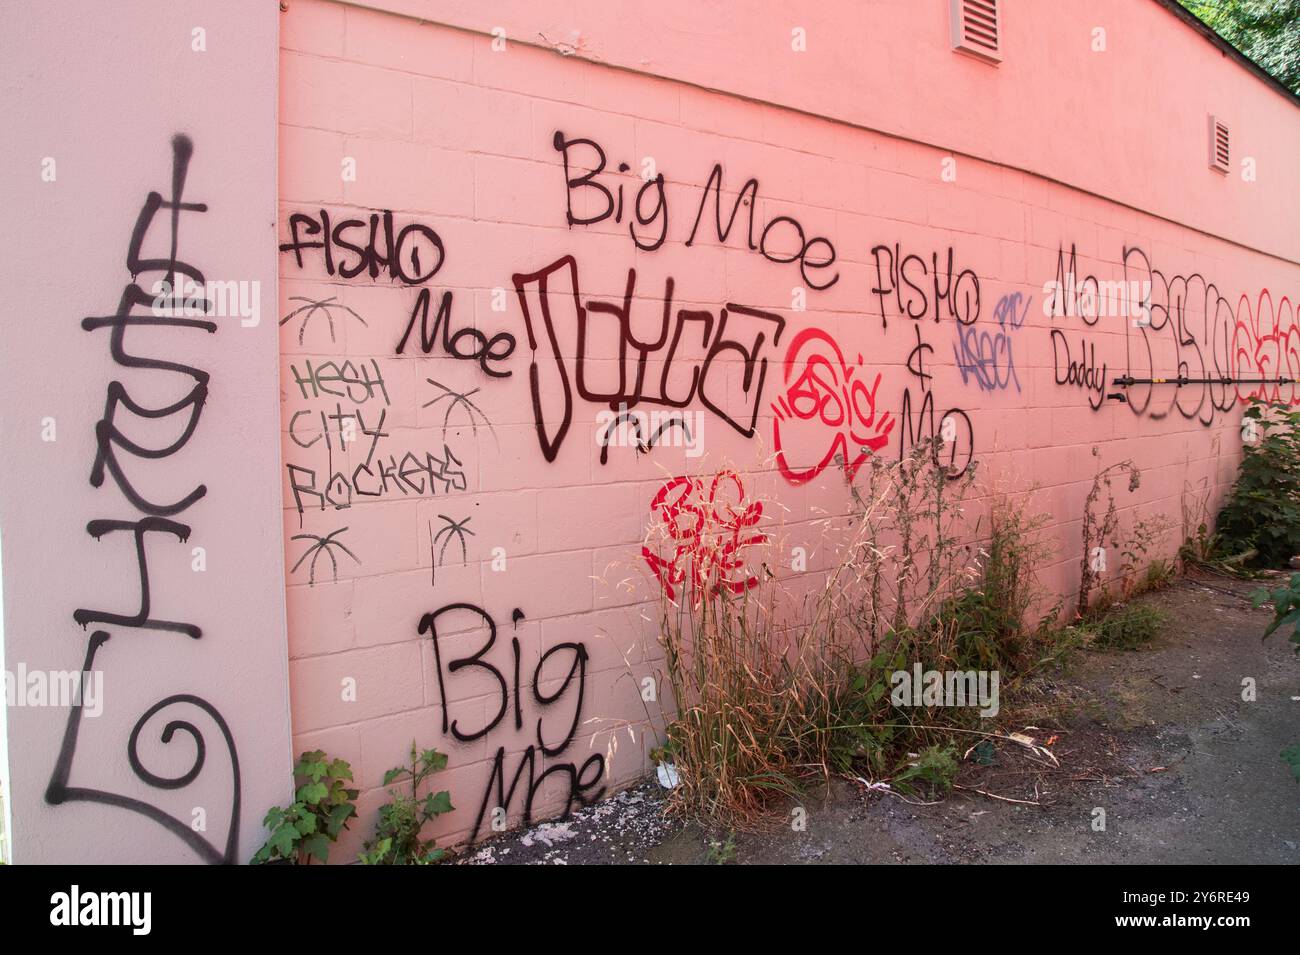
(977, 28)
(1220, 145)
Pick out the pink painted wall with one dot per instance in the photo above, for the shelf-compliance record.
(1127, 123)
(461, 558)
(92, 103)
(427, 120)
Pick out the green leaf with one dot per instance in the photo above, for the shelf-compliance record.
(438, 803)
(283, 840)
(317, 846)
(312, 765)
(313, 793)
(377, 852)
(338, 819)
(394, 774)
(434, 760)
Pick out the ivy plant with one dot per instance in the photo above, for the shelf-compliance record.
(397, 838)
(1262, 514)
(322, 808)
(1286, 612)
(1286, 608)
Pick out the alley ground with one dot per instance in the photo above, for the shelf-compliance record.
(1159, 738)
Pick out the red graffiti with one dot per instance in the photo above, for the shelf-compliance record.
(1266, 344)
(707, 527)
(822, 391)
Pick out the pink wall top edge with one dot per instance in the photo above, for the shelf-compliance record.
(1127, 121)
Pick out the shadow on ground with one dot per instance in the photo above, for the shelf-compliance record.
(1160, 739)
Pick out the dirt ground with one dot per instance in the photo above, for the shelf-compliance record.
(1160, 739)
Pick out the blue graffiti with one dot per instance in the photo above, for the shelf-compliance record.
(984, 354)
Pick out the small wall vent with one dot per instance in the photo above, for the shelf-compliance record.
(977, 29)
(1220, 145)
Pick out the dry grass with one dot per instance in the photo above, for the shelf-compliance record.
(773, 690)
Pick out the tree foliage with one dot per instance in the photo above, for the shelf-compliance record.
(1267, 31)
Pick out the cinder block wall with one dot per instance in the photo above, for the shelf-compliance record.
(143, 637)
(463, 568)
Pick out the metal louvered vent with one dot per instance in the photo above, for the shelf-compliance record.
(977, 28)
(1220, 145)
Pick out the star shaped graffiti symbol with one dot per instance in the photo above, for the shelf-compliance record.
(456, 399)
(452, 529)
(326, 305)
(324, 545)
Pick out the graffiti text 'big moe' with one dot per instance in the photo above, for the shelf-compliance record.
(649, 211)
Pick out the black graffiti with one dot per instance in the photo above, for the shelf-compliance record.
(346, 424)
(412, 255)
(1179, 330)
(551, 375)
(161, 309)
(956, 445)
(746, 197)
(769, 238)
(377, 475)
(1194, 332)
(918, 289)
(452, 529)
(359, 382)
(649, 212)
(353, 420)
(466, 344)
(417, 473)
(612, 207)
(325, 306)
(1176, 302)
(109, 440)
(58, 791)
(512, 696)
(459, 400)
(644, 440)
(1072, 293)
(326, 546)
(97, 529)
(1081, 372)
